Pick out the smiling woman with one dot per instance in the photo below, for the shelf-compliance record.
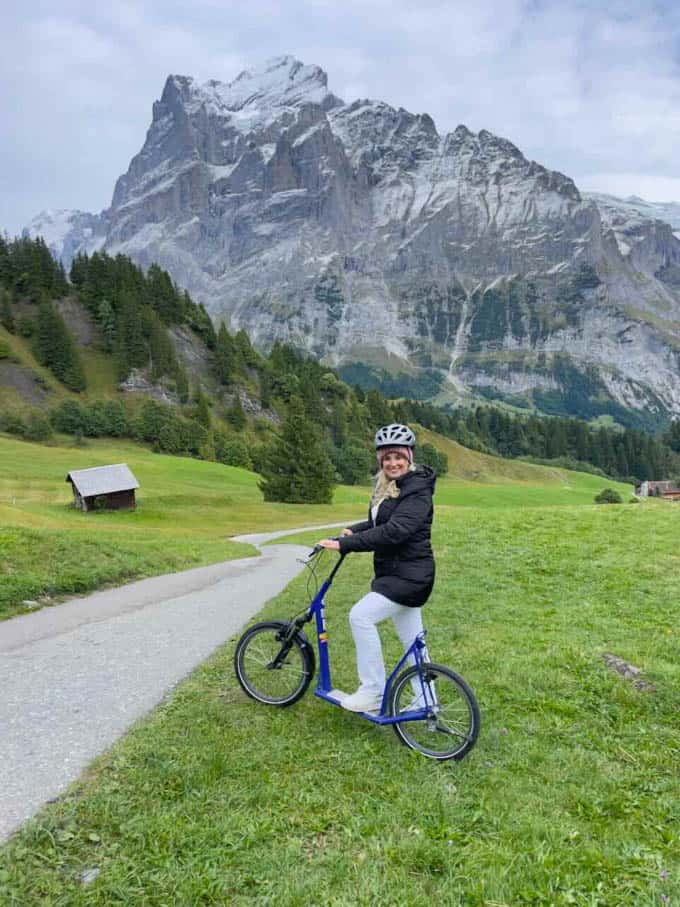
(397, 531)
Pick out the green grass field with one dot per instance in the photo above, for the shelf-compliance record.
(570, 796)
(188, 509)
(186, 512)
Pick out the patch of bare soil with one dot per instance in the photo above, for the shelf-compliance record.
(25, 382)
(192, 352)
(80, 322)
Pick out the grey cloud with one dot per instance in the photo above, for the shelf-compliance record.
(586, 89)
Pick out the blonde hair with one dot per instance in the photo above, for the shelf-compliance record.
(385, 488)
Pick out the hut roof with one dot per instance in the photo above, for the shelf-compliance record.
(102, 479)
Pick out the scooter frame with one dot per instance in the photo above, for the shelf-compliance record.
(324, 688)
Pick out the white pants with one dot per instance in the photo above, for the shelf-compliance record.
(369, 611)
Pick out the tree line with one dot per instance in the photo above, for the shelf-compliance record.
(628, 454)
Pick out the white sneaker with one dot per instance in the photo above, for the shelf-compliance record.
(362, 701)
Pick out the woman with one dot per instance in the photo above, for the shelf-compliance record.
(398, 532)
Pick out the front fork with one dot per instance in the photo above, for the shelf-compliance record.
(428, 691)
(286, 635)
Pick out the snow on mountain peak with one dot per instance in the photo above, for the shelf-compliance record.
(66, 230)
(257, 93)
(53, 225)
(634, 210)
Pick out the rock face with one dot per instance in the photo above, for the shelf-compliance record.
(68, 232)
(359, 233)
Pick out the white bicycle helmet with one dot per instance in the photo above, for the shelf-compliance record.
(395, 435)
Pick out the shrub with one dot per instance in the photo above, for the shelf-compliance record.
(428, 455)
(153, 417)
(232, 451)
(194, 436)
(170, 438)
(38, 428)
(236, 415)
(353, 463)
(69, 418)
(608, 496)
(116, 421)
(26, 326)
(12, 423)
(257, 455)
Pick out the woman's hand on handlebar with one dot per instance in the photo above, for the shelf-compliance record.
(333, 544)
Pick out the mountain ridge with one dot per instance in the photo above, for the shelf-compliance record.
(355, 230)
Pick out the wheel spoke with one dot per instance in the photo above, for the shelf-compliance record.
(452, 725)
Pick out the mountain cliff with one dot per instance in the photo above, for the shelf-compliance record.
(359, 233)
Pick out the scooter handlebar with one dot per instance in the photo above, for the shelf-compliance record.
(317, 549)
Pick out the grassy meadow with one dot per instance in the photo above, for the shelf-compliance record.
(570, 796)
(186, 512)
(188, 509)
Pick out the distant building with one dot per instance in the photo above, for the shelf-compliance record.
(664, 490)
(105, 487)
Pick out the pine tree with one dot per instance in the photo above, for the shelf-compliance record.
(7, 274)
(107, 322)
(202, 410)
(265, 389)
(78, 272)
(225, 355)
(74, 375)
(131, 348)
(55, 348)
(378, 408)
(236, 415)
(672, 436)
(161, 350)
(182, 383)
(6, 316)
(163, 296)
(245, 349)
(296, 468)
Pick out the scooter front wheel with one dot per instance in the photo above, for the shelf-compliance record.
(450, 720)
(270, 669)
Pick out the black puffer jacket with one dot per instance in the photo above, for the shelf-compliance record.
(400, 539)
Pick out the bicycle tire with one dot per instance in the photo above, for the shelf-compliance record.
(450, 732)
(281, 684)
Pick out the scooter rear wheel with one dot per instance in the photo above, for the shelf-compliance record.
(451, 727)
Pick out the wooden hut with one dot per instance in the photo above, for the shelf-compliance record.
(665, 490)
(103, 487)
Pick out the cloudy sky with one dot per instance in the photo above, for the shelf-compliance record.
(588, 88)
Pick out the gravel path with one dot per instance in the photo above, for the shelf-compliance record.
(76, 676)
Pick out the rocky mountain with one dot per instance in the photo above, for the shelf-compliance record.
(669, 212)
(449, 263)
(67, 232)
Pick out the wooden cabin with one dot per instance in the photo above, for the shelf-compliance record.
(103, 488)
(664, 490)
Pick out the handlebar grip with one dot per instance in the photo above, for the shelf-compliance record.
(317, 549)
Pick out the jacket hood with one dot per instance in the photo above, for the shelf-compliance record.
(422, 477)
